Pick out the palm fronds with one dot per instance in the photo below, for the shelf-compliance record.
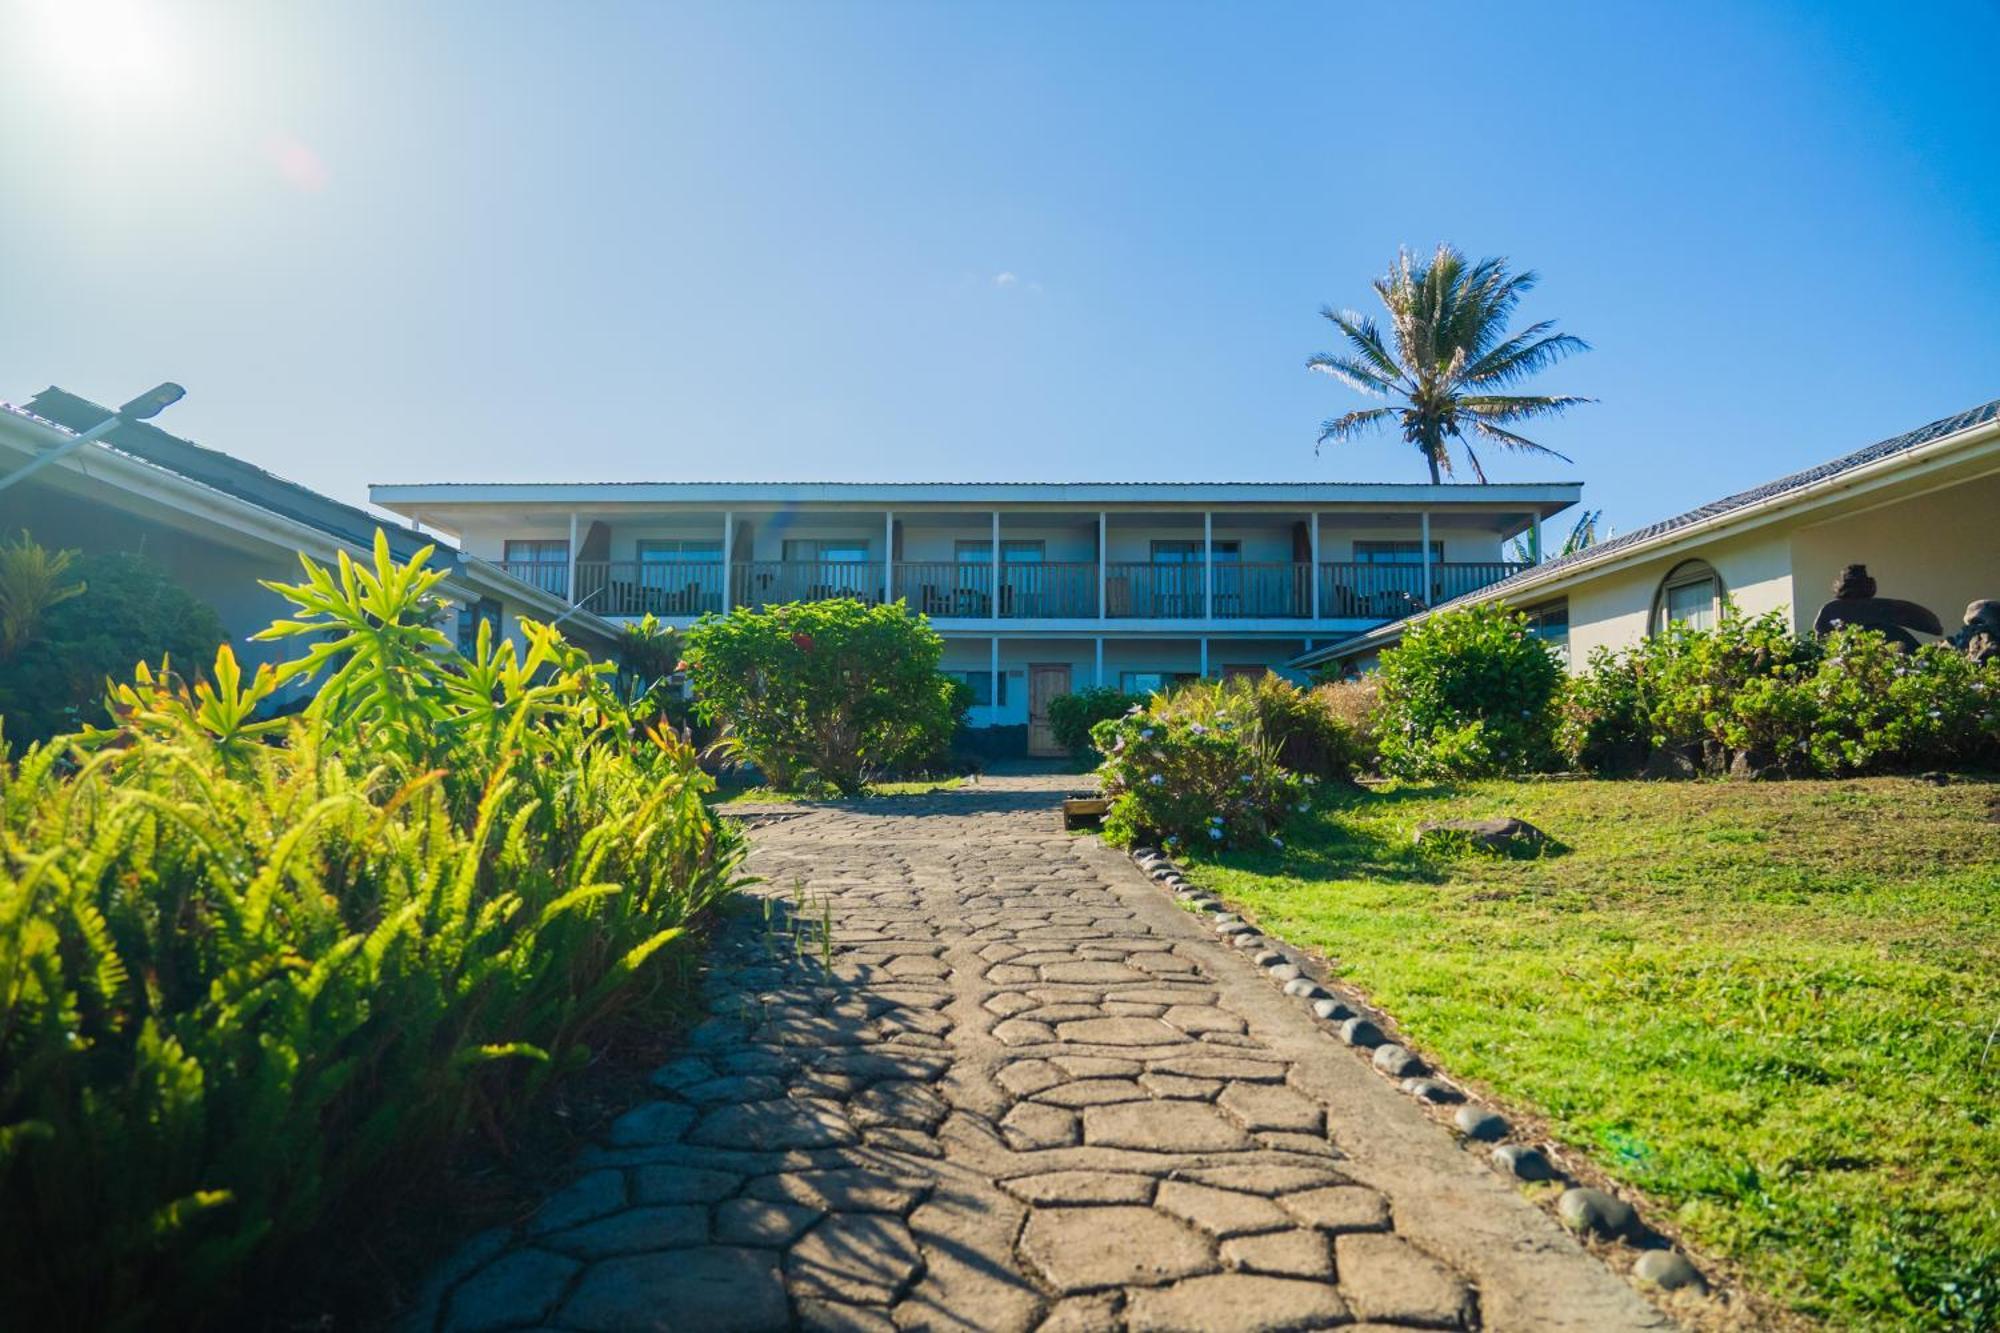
(1447, 355)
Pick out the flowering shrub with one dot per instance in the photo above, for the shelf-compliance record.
(1468, 693)
(1356, 704)
(1305, 734)
(1206, 777)
(831, 693)
(1854, 703)
(1872, 706)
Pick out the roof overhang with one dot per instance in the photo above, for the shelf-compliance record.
(1948, 460)
(437, 500)
(103, 474)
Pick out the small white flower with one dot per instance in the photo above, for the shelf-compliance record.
(1215, 833)
(1146, 735)
(1215, 819)
(1246, 778)
(1197, 729)
(1277, 841)
(1156, 780)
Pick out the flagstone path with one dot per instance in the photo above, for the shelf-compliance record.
(965, 1071)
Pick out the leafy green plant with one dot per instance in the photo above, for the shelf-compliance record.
(1072, 716)
(1305, 734)
(31, 581)
(127, 611)
(1467, 693)
(1200, 775)
(1604, 720)
(832, 692)
(1694, 680)
(1356, 704)
(255, 972)
(1870, 707)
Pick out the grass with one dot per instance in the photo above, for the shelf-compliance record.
(726, 795)
(1771, 1007)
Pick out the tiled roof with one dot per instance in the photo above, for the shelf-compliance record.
(1548, 570)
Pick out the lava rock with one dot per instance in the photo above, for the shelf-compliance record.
(1361, 1032)
(1502, 837)
(1435, 1091)
(1596, 1213)
(1524, 1162)
(1397, 1062)
(1481, 1125)
(1667, 1270)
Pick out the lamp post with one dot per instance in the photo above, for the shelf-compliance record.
(143, 408)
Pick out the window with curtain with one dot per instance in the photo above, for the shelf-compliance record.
(1396, 553)
(1690, 595)
(543, 563)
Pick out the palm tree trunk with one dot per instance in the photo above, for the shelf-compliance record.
(1431, 457)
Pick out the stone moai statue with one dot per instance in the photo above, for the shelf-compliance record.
(1855, 605)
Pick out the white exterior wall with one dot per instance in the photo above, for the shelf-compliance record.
(1941, 550)
(1175, 655)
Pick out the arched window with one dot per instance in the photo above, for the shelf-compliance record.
(1691, 594)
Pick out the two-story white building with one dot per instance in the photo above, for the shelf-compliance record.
(1039, 589)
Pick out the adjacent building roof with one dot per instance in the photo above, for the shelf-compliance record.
(1541, 497)
(246, 484)
(1771, 492)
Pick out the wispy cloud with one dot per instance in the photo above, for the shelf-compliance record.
(1005, 279)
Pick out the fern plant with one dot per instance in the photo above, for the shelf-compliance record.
(253, 969)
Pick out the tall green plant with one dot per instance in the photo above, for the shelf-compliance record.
(1468, 693)
(256, 972)
(31, 581)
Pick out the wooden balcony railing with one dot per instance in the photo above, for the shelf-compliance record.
(1133, 590)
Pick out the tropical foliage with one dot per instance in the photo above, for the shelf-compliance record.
(829, 693)
(74, 623)
(1204, 776)
(1448, 364)
(254, 972)
(1073, 716)
(1468, 693)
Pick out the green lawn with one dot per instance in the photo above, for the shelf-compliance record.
(1769, 1006)
(725, 795)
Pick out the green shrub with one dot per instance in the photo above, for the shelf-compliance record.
(1603, 717)
(1196, 774)
(255, 974)
(1468, 693)
(1072, 716)
(54, 678)
(1694, 683)
(1305, 734)
(1872, 707)
(834, 693)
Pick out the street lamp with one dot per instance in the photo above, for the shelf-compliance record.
(143, 408)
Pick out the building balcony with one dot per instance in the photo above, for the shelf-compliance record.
(1121, 591)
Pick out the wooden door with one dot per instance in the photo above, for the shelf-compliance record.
(1046, 682)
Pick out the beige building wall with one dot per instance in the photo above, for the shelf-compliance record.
(1940, 549)
(1613, 611)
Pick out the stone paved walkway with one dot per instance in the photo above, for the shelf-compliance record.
(1016, 1089)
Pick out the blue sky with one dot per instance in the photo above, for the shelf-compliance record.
(1015, 241)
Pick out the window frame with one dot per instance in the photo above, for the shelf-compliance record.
(971, 679)
(1687, 574)
(1372, 551)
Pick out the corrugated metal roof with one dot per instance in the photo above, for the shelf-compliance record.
(1770, 490)
(232, 476)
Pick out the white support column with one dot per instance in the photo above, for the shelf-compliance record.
(888, 556)
(1103, 536)
(1204, 658)
(993, 593)
(1098, 677)
(728, 556)
(1312, 528)
(570, 587)
(993, 691)
(1424, 544)
(1207, 576)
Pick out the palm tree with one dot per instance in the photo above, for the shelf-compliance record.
(1452, 361)
(1582, 536)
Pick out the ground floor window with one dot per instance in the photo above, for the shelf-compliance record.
(486, 610)
(1691, 595)
(1152, 682)
(981, 685)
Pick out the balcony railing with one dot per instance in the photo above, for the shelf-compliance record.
(773, 582)
(1133, 590)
